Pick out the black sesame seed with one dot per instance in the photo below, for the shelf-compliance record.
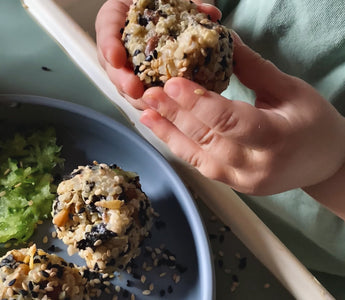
(37, 261)
(162, 293)
(220, 263)
(30, 285)
(170, 289)
(121, 30)
(142, 21)
(227, 228)
(45, 274)
(242, 263)
(96, 267)
(24, 292)
(159, 224)
(34, 294)
(45, 69)
(136, 52)
(52, 248)
(12, 282)
(148, 58)
(136, 70)
(235, 278)
(155, 53)
(76, 172)
(129, 283)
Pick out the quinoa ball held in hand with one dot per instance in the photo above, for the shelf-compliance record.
(112, 54)
(171, 38)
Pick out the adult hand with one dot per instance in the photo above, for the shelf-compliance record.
(112, 54)
(291, 138)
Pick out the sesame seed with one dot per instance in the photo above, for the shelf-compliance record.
(44, 273)
(146, 292)
(151, 287)
(45, 240)
(267, 285)
(143, 278)
(2, 193)
(12, 282)
(199, 92)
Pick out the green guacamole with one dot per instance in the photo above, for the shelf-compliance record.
(26, 182)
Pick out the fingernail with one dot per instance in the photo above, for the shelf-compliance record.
(236, 37)
(172, 89)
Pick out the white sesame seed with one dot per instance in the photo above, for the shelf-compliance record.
(143, 278)
(162, 274)
(146, 292)
(151, 286)
(199, 92)
(45, 240)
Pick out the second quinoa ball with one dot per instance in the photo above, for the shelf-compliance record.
(102, 213)
(171, 38)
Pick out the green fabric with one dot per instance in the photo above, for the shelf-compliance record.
(305, 38)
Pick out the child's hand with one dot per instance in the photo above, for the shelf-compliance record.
(112, 54)
(291, 138)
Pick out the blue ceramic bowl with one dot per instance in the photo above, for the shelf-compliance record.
(87, 136)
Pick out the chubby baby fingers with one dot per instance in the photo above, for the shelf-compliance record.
(183, 147)
(239, 121)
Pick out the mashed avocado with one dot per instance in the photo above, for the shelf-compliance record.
(26, 182)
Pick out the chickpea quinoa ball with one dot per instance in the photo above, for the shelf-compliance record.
(31, 273)
(171, 38)
(102, 213)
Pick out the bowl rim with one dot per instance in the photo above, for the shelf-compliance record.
(202, 244)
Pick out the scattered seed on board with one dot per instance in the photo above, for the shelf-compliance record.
(45, 240)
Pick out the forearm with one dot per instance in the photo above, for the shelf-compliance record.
(331, 192)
